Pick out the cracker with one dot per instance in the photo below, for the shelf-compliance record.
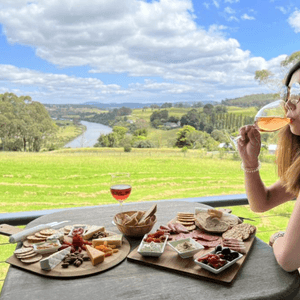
(240, 231)
(22, 250)
(185, 214)
(190, 228)
(47, 232)
(27, 244)
(38, 235)
(27, 255)
(32, 260)
(185, 223)
(34, 239)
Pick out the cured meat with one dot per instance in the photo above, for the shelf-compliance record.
(207, 237)
(172, 228)
(209, 244)
(164, 227)
(234, 245)
(180, 228)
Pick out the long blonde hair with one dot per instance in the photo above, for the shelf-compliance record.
(288, 160)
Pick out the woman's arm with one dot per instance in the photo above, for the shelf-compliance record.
(260, 197)
(286, 248)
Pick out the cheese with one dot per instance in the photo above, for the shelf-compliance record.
(53, 260)
(93, 229)
(110, 240)
(95, 255)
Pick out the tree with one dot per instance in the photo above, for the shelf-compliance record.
(274, 81)
(208, 109)
(182, 136)
(25, 122)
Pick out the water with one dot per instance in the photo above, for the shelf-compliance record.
(90, 136)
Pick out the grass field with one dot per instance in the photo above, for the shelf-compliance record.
(68, 178)
(74, 178)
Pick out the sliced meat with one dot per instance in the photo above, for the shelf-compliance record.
(207, 237)
(164, 227)
(172, 228)
(209, 244)
(180, 228)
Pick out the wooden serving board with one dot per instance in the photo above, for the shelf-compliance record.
(86, 268)
(171, 261)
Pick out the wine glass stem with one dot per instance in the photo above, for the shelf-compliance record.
(121, 206)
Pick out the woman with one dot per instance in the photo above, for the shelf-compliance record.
(286, 246)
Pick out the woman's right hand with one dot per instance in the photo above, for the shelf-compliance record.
(249, 146)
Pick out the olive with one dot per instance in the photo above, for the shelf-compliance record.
(218, 248)
(234, 254)
(226, 250)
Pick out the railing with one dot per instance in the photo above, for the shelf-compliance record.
(23, 218)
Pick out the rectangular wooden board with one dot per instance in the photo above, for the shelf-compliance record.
(9, 230)
(172, 262)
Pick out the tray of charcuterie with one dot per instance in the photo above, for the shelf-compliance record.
(72, 251)
(206, 244)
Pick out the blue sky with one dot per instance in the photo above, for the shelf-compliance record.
(73, 51)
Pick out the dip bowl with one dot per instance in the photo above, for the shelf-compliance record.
(186, 253)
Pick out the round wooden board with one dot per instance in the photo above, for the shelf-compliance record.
(85, 269)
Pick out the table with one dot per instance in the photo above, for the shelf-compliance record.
(259, 278)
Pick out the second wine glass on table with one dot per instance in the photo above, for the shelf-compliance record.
(120, 187)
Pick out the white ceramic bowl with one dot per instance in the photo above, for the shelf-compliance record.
(152, 253)
(213, 270)
(189, 253)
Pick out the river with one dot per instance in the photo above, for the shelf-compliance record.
(90, 136)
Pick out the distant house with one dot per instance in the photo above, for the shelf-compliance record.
(225, 146)
(172, 125)
(272, 148)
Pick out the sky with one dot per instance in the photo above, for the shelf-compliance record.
(74, 51)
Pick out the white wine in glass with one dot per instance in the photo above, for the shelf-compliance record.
(271, 117)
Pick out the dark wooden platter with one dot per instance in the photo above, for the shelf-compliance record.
(171, 261)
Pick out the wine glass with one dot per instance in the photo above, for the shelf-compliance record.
(120, 187)
(270, 118)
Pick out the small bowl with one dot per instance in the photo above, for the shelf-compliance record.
(189, 253)
(213, 270)
(152, 253)
(135, 230)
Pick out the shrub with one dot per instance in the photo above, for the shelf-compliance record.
(143, 144)
(127, 148)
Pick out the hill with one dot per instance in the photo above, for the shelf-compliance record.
(251, 100)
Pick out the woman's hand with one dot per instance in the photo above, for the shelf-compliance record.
(249, 146)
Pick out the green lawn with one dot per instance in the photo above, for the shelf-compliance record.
(68, 178)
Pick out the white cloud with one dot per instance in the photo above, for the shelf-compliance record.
(129, 37)
(294, 20)
(247, 17)
(229, 10)
(216, 3)
(282, 9)
(231, 1)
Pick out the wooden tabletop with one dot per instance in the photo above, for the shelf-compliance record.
(259, 278)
